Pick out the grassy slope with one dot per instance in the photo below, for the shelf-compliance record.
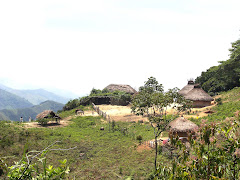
(99, 154)
(231, 104)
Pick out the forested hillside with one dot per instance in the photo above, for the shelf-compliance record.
(15, 114)
(12, 101)
(225, 76)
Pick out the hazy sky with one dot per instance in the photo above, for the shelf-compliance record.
(80, 44)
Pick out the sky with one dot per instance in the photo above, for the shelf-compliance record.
(77, 45)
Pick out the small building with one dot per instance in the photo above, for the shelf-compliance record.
(187, 88)
(45, 114)
(121, 87)
(199, 97)
(182, 127)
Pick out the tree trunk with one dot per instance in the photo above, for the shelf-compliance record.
(156, 145)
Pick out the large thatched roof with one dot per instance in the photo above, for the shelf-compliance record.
(187, 88)
(121, 87)
(198, 94)
(45, 114)
(182, 125)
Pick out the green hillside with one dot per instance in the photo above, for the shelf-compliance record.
(15, 114)
(228, 106)
(12, 101)
(96, 154)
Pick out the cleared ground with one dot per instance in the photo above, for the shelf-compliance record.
(117, 113)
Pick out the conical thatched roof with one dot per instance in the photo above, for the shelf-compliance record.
(187, 88)
(182, 125)
(198, 94)
(45, 114)
(121, 87)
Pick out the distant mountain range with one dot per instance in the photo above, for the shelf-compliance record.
(12, 101)
(15, 114)
(16, 103)
(36, 96)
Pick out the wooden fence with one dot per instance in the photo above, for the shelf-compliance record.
(100, 112)
(150, 143)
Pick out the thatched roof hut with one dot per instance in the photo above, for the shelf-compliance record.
(199, 97)
(45, 114)
(182, 124)
(121, 87)
(182, 127)
(187, 88)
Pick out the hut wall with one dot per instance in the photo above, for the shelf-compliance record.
(115, 101)
(100, 100)
(181, 134)
(200, 104)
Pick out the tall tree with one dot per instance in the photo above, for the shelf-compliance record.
(153, 102)
(226, 75)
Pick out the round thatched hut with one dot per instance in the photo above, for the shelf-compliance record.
(199, 97)
(182, 127)
(121, 87)
(46, 114)
(187, 88)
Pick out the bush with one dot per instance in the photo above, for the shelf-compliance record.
(139, 138)
(43, 121)
(219, 101)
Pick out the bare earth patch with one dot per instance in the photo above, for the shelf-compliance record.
(121, 113)
(64, 122)
(143, 147)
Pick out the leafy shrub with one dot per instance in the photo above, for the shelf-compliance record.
(219, 101)
(139, 138)
(71, 104)
(43, 121)
(215, 154)
(24, 170)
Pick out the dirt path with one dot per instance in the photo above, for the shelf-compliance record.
(64, 122)
(117, 113)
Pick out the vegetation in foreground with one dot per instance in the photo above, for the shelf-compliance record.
(98, 154)
(112, 153)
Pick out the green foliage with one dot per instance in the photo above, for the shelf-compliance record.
(153, 102)
(98, 154)
(25, 170)
(139, 138)
(228, 105)
(215, 154)
(219, 101)
(120, 96)
(43, 121)
(225, 76)
(71, 104)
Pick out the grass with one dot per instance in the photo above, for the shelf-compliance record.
(230, 105)
(98, 154)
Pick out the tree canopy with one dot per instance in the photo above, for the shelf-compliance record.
(225, 76)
